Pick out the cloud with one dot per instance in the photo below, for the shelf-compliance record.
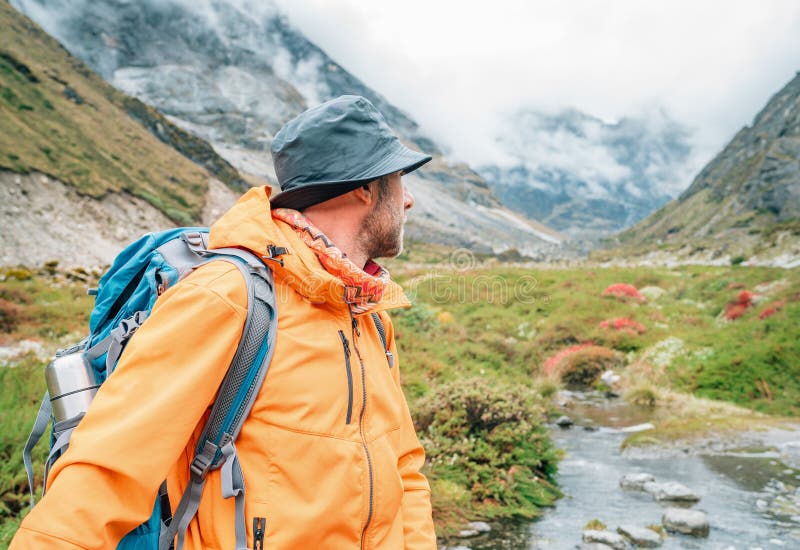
(460, 67)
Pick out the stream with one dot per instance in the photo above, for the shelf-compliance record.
(751, 493)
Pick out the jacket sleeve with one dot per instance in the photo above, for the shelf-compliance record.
(142, 417)
(418, 530)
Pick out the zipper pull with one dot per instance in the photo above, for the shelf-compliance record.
(355, 326)
(259, 526)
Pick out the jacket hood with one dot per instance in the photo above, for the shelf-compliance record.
(250, 225)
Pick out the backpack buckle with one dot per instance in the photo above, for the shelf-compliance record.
(202, 462)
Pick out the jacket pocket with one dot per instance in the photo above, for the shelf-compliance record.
(349, 372)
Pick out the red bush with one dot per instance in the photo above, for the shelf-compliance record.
(624, 324)
(553, 361)
(771, 309)
(746, 298)
(734, 311)
(624, 292)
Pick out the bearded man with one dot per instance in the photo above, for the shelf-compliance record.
(328, 454)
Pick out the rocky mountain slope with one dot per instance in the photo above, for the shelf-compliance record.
(84, 168)
(586, 177)
(232, 73)
(744, 206)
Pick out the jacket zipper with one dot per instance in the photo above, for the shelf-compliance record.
(346, 346)
(355, 332)
(259, 526)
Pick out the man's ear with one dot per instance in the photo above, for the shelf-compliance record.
(365, 193)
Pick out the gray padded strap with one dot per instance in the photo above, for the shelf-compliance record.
(187, 508)
(39, 427)
(120, 336)
(99, 348)
(233, 486)
(59, 447)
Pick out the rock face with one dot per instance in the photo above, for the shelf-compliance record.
(687, 522)
(233, 76)
(745, 200)
(640, 536)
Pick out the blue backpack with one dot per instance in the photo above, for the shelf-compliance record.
(124, 298)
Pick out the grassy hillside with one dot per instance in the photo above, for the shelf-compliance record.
(59, 118)
(484, 348)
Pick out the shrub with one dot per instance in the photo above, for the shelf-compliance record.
(734, 310)
(623, 324)
(771, 309)
(490, 440)
(581, 366)
(623, 292)
(10, 315)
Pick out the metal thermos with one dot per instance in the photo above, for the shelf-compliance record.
(71, 384)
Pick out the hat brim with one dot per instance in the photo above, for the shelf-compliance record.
(402, 159)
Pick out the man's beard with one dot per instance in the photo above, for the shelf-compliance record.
(383, 230)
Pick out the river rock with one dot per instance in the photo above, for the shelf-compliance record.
(564, 421)
(468, 533)
(637, 428)
(670, 491)
(595, 546)
(609, 538)
(688, 522)
(652, 292)
(640, 536)
(635, 482)
(479, 526)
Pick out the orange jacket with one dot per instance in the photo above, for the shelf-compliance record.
(329, 463)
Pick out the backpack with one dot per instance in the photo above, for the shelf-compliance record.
(124, 298)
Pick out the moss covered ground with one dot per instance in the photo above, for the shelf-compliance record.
(485, 346)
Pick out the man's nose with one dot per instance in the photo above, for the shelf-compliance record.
(408, 198)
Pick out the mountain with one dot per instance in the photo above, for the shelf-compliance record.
(586, 177)
(233, 72)
(83, 167)
(744, 206)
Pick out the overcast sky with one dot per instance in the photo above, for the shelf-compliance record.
(459, 66)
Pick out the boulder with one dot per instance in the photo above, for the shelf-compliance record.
(636, 481)
(688, 522)
(637, 428)
(640, 536)
(609, 538)
(479, 526)
(564, 421)
(670, 491)
(652, 293)
(468, 533)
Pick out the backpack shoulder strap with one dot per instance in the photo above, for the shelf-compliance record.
(235, 398)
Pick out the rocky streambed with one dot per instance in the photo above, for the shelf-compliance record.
(713, 495)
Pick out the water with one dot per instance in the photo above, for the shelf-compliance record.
(751, 495)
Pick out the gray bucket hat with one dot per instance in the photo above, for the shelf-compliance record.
(334, 148)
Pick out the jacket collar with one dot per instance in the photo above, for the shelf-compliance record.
(249, 225)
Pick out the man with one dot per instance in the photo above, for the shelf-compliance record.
(329, 454)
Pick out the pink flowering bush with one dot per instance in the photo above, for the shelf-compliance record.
(623, 324)
(624, 292)
(581, 365)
